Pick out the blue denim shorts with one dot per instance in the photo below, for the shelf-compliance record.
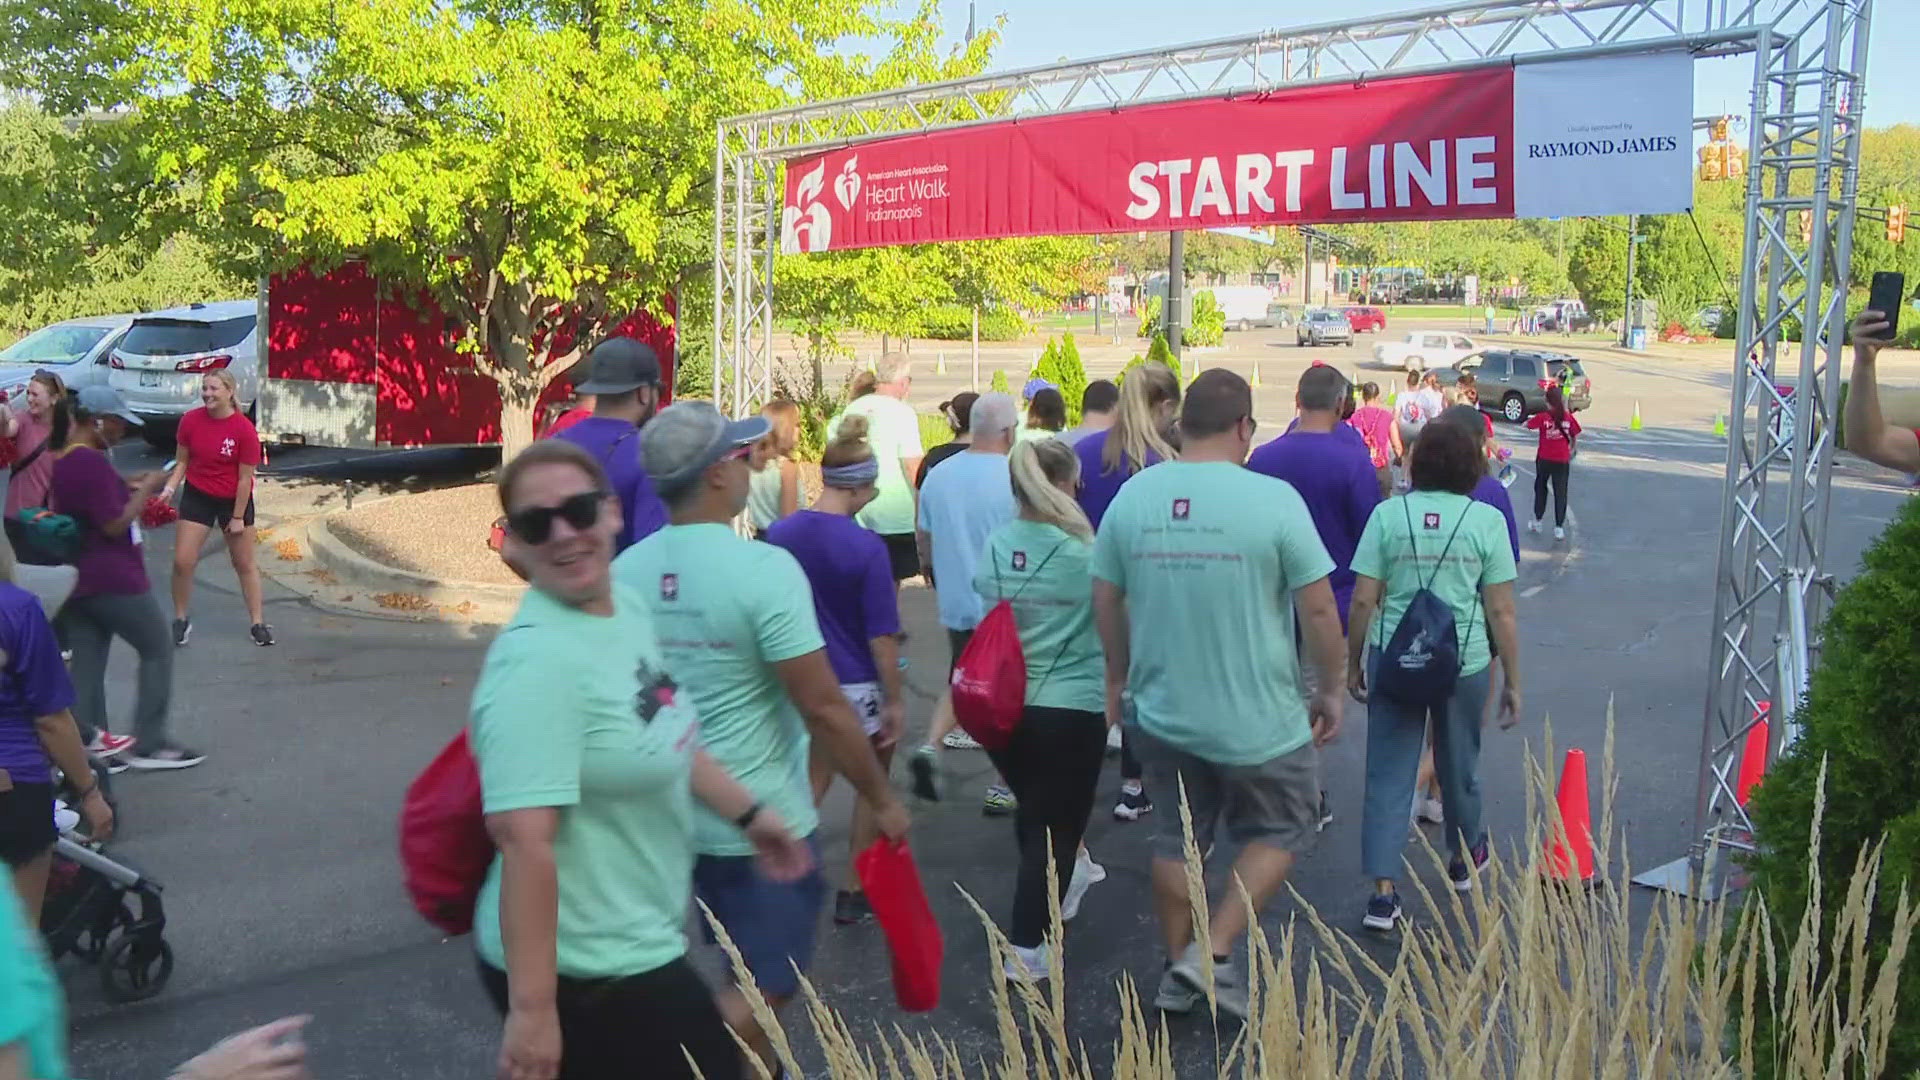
(772, 923)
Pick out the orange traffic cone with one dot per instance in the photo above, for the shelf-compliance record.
(1577, 818)
(1753, 756)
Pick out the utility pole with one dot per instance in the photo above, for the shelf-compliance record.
(1633, 242)
(1176, 282)
(1306, 274)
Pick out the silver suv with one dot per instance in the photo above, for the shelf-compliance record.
(1322, 325)
(158, 364)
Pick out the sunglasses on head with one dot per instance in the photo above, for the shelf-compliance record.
(534, 524)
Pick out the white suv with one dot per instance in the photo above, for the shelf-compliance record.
(157, 366)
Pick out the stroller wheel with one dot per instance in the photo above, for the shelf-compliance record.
(136, 967)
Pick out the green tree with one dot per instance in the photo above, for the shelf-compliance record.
(1060, 365)
(1598, 267)
(998, 384)
(540, 168)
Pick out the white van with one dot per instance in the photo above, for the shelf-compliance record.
(1245, 306)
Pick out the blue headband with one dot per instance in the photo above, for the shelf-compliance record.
(857, 475)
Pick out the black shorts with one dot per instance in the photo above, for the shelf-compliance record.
(608, 1025)
(212, 511)
(957, 641)
(26, 823)
(903, 553)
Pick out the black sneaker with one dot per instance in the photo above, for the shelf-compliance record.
(1383, 913)
(182, 630)
(850, 908)
(1326, 812)
(1133, 805)
(164, 756)
(1458, 873)
(262, 634)
(924, 765)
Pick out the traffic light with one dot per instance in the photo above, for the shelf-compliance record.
(1720, 127)
(1806, 226)
(1733, 164)
(1896, 224)
(1710, 162)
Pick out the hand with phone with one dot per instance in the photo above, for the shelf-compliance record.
(1877, 326)
(1867, 432)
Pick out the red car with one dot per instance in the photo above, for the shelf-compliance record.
(1365, 318)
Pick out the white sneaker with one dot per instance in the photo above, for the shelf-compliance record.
(1113, 739)
(958, 739)
(1095, 872)
(106, 744)
(1429, 810)
(1559, 533)
(1086, 874)
(1027, 965)
(64, 819)
(1533, 526)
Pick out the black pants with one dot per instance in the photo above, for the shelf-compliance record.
(1129, 765)
(1555, 471)
(1052, 765)
(609, 1028)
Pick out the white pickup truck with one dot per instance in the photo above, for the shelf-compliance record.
(1421, 350)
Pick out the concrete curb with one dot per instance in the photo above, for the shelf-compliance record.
(471, 601)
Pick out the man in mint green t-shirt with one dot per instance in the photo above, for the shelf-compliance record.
(1198, 567)
(736, 623)
(893, 430)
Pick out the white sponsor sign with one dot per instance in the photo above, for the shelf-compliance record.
(1603, 137)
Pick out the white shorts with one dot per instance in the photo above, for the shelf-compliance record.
(865, 699)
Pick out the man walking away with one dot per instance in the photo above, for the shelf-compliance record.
(1198, 568)
(894, 433)
(1334, 476)
(624, 382)
(1098, 404)
(736, 623)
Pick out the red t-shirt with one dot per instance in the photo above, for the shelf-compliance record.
(565, 420)
(216, 449)
(1556, 436)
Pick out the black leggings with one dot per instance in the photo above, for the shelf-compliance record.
(1555, 471)
(1129, 765)
(609, 1026)
(1053, 765)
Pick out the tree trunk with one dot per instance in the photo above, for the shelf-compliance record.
(517, 415)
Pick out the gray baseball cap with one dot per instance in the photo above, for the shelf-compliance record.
(618, 365)
(102, 400)
(688, 437)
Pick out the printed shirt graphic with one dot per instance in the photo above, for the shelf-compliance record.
(578, 712)
(1557, 437)
(1480, 556)
(1209, 555)
(894, 433)
(1047, 573)
(725, 610)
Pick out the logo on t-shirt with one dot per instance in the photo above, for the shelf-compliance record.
(1431, 521)
(226, 448)
(656, 691)
(1182, 508)
(1019, 560)
(669, 586)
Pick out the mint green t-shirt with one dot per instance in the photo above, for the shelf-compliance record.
(32, 1009)
(576, 711)
(894, 433)
(726, 610)
(1046, 573)
(1209, 555)
(1481, 555)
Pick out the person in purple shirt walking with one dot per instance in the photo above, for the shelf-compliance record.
(624, 379)
(853, 597)
(1140, 435)
(1328, 464)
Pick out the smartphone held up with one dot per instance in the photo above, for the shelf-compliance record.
(1887, 294)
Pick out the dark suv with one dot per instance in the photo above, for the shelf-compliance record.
(1514, 384)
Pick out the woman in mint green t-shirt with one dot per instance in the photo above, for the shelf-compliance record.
(1433, 538)
(1041, 562)
(590, 760)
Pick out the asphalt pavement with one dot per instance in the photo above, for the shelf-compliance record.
(278, 858)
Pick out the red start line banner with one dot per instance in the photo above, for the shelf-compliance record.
(1555, 139)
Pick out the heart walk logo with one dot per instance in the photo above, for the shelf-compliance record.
(808, 226)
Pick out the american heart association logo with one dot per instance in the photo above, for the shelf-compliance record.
(809, 226)
(846, 186)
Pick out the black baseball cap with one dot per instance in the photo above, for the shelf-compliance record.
(619, 365)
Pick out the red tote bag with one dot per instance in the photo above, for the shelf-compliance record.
(444, 847)
(892, 882)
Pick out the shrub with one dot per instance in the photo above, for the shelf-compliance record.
(1157, 353)
(934, 430)
(816, 411)
(1206, 324)
(1861, 722)
(954, 322)
(1061, 366)
(998, 384)
(1150, 318)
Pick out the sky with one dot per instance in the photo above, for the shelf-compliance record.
(1046, 31)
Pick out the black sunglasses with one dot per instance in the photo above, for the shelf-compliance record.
(534, 524)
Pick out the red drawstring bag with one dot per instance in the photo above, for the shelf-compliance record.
(444, 847)
(990, 680)
(892, 884)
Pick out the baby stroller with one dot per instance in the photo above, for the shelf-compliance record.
(107, 914)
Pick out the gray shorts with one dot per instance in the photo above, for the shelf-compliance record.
(1276, 802)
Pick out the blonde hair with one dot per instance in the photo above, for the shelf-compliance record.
(863, 383)
(1038, 465)
(785, 416)
(1134, 434)
(225, 378)
(849, 445)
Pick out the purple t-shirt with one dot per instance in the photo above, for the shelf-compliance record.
(615, 444)
(852, 581)
(88, 489)
(36, 685)
(1098, 487)
(1492, 492)
(1335, 478)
